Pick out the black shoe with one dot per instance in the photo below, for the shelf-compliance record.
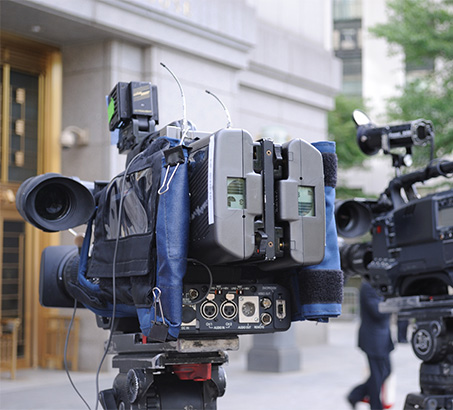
(351, 402)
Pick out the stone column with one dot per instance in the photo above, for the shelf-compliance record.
(274, 352)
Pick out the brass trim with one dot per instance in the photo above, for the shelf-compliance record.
(1, 261)
(5, 122)
(41, 122)
(52, 115)
(45, 61)
(24, 54)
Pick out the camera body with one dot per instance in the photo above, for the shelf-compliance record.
(413, 247)
(411, 251)
(203, 234)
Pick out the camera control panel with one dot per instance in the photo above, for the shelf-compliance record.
(235, 309)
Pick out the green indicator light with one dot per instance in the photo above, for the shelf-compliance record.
(306, 201)
(111, 109)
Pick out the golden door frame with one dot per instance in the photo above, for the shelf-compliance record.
(44, 61)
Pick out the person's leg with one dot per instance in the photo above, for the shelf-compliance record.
(379, 371)
(357, 394)
(403, 324)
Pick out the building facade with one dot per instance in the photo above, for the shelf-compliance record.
(372, 71)
(268, 61)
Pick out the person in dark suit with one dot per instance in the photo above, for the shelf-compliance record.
(403, 324)
(375, 340)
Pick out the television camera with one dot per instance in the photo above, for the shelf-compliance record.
(203, 237)
(410, 257)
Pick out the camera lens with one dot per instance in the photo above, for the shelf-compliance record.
(344, 219)
(52, 202)
(353, 218)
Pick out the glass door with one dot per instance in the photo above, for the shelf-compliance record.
(19, 160)
(30, 113)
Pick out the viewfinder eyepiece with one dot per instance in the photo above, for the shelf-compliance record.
(52, 202)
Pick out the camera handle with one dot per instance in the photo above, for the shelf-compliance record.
(406, 182)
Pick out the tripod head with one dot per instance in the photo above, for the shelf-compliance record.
(432, 343)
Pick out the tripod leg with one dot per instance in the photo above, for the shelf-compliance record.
(424, 402)
(107, 399)
(214, 388)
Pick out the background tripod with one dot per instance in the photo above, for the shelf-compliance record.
(432, 342)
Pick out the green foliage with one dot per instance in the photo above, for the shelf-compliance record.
(420, 99)
(423, 28)
(343, 192)
(424, 31)
(342, 130)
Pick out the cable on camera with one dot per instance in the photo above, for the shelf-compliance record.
(196, 261)
(115, 252)
(66, 344)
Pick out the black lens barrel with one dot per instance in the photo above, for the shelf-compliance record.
(371, 139)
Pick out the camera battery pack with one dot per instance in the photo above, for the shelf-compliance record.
(301, 204)
(256, 201)
(226, 196)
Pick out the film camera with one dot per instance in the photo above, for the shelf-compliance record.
(410, 257)
(203, 237)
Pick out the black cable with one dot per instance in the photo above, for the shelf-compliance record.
(431, 153)
(66, 343)
(117, 239)
(210, 280)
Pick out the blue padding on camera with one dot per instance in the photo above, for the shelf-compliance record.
(321, 310)
(318, 293)
(332, 255)
(84, 260)
(172, 243)
(146, 317)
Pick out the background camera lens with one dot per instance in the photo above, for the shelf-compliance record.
(52, 202)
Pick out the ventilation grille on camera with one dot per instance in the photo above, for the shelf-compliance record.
(198, 185)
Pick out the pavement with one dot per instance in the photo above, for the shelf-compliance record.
(328, 372)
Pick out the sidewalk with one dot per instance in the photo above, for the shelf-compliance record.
(328, 373)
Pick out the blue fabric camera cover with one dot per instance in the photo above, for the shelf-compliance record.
(172, 233)
(151, 253)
